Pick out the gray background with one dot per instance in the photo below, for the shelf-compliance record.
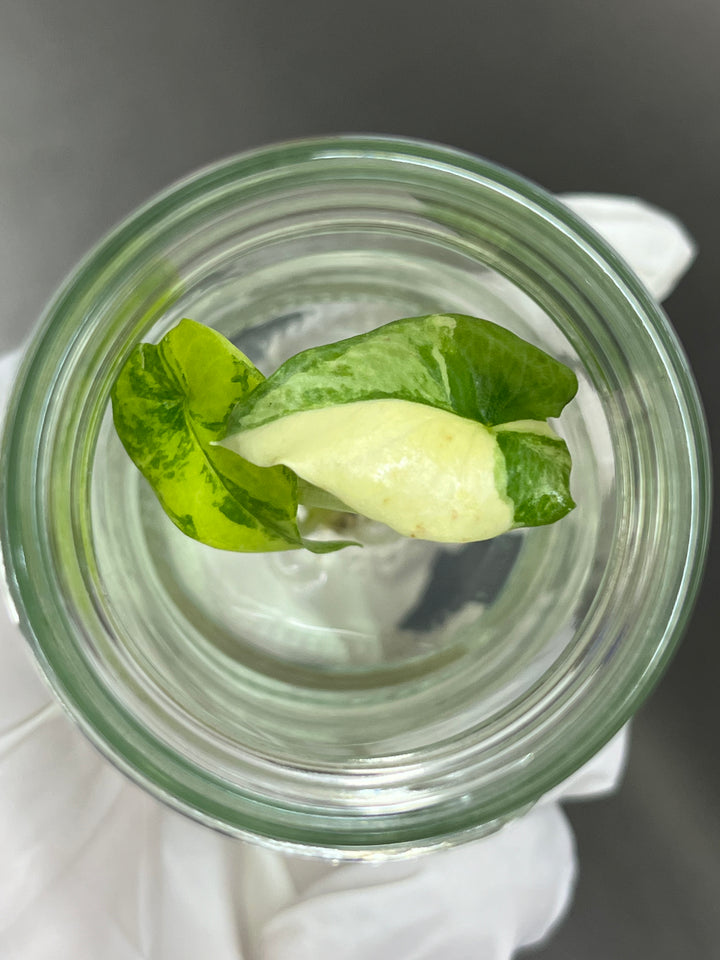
(103, 104)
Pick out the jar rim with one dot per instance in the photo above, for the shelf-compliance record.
(444, 164)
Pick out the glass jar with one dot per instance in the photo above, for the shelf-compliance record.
(404, 696)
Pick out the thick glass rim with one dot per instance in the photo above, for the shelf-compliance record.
(118, 735)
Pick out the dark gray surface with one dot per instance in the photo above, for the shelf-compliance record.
(101, 105)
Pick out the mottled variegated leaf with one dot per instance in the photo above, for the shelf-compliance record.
(170, 402)
(454, 363)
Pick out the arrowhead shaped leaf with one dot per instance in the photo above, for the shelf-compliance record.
(170, 403)
(469, 367)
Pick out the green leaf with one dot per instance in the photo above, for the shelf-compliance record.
(460, 364)
(538, 476)
(170, 403)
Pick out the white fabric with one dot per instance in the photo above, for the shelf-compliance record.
(655, 244)
(91, 867)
